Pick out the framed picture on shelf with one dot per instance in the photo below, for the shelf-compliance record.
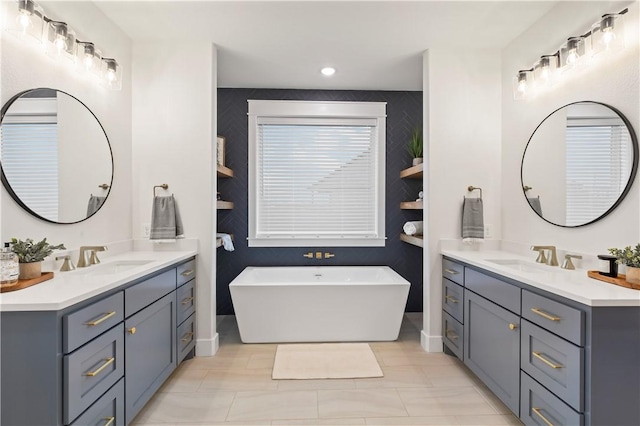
(220, 142)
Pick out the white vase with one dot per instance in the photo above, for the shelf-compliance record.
(417, 161)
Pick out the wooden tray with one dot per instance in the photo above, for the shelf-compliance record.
(620, 280)
(26, 283)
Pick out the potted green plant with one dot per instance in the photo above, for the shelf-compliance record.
(415, 146)
(630, 257)
(31, 255)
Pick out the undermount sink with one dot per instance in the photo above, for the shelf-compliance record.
(115, 267)
(520, 265)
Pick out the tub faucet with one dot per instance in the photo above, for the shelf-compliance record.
(82, 260)
(553, 259)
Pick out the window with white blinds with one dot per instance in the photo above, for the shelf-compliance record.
(30, 163)
(317, 181)
(598, 167)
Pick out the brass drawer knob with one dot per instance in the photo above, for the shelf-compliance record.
(513, 326)
(132, 330)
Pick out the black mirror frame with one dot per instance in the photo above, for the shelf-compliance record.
(5, 181)
(632, 176)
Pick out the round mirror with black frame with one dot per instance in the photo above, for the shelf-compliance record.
(579, 164)
(56, 160)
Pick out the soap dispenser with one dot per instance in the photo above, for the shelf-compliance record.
(9, 266)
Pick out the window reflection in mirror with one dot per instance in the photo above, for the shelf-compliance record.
(56, 159)
(579, 164)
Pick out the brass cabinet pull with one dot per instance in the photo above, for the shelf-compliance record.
(545, 315)
(187, 300)
(99, 320)
(107, 362)
(539, 414)
(451, 271)
(187, 337)
(109, 421)
(451, 335)
(512, 326)
(451, 298)
(546, 361)
(132, 330)
(187, 273)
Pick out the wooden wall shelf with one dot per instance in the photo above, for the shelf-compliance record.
(411, 205)
(224, 205)
(414, 172)
(224, 172)
(416, 240)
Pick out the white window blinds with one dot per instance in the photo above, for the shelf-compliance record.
(316, 181)
(30, 162)
(597, 170)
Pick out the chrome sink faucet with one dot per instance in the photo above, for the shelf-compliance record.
(82, 260)
(553, 259)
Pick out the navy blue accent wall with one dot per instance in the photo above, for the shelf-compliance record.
(404, 113)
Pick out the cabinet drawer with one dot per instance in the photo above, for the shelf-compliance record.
(186, 303)
(83, 325)
(554, 362)
(453, 299)
(106, 411)
(556, 317)
(92, 370)
(500, 292)
(186, 337)
(146, 292)
(186, 272)
(453, 271)
(453, 335)
(540, 407)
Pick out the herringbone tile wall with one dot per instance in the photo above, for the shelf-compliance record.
(404, 112)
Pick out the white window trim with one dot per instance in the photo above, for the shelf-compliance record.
(261, 110)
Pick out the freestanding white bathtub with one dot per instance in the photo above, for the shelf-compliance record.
(319, 303)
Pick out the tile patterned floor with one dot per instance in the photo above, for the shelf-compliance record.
(235, 388)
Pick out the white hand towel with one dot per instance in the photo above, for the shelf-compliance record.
(413, 228)
(226, 241)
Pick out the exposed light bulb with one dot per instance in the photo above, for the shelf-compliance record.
(24, 20)
(522, 86)
(572, 57)
(88, 61)
(608, 36)
(111, 75)
(60, 43)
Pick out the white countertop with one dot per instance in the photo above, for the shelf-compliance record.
(574, 285)
(68, 288)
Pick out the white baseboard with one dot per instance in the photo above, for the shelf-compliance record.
(430, 343)
(208, 347)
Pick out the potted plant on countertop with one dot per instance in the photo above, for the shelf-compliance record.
(630, 257)
(415, 146)
(31, 255)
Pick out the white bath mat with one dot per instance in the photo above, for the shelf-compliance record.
(325, 361)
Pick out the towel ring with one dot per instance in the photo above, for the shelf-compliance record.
(163, 186)
(473, 188)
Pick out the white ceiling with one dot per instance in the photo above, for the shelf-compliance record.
(373, 45)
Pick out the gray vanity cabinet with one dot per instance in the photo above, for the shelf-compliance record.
(99, 361)
(492, 347)
(150, 352)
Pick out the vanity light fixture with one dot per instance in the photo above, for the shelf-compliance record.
(328, 71)
(59, 41)
(605, 36)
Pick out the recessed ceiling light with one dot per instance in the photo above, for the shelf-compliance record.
(328, 71)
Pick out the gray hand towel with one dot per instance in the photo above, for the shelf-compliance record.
(534, 202)
(166, 222)
(472, 219)
(95, 202)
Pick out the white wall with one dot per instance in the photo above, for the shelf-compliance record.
(614, 83)
(24, 67)
(174, 105)
(462, 146)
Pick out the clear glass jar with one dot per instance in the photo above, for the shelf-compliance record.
(9, 266)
